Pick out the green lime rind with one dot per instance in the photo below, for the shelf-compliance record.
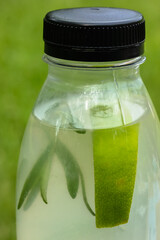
(115, 160)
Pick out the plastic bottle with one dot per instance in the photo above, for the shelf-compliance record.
(89, 161)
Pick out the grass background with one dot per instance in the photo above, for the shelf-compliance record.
(22, 74)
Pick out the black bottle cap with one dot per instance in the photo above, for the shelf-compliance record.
(94, 34)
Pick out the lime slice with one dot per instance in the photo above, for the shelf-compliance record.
(115, 160)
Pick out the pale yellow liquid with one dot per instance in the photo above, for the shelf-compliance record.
(64, 218)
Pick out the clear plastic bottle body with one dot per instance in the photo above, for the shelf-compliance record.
(76, 101)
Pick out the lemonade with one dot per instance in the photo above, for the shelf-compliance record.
(89, 164)
(62, 195)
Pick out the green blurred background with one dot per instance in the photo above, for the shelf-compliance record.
(22, 74)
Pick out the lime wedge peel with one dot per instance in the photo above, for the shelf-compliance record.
(115, 160)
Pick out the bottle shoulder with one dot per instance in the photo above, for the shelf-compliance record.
(113, 102)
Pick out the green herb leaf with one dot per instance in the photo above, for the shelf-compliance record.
(84, 194)
(74, 122)
(44, 180)
(34, 175)
(70, 167)
(31, 196)
(72, 172)
(78, 130)
(39, 176)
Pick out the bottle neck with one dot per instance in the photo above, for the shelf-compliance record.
(85, 73)
(114, 64)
